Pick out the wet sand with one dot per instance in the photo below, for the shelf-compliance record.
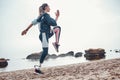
(94, 70)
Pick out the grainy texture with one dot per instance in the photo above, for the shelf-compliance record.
(94, 70)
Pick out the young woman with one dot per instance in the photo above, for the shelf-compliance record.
(45, 23)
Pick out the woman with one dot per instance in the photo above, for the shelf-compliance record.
(45, 21)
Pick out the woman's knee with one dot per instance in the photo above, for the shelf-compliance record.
(45, 50)
(57, 27)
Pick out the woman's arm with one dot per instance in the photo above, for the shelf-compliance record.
(25, 31)
(34, 22)
(57, 15)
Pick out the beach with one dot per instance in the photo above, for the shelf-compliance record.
(94, 70)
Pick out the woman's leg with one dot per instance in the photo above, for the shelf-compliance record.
(57, 31)
(44, 39)
(44, 54)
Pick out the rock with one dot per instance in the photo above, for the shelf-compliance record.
(117, 51)
(95, 51)
(110, 50)
(47, 57)
(53, 56)
(71, 53)
(3, 62)
(34, 56)
(92, 54)
(78, 54)
(62, 55)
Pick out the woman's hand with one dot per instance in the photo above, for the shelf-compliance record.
(57, 14)
(24, 32)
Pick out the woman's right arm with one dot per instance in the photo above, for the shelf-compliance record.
(25, 31)
(34, 22)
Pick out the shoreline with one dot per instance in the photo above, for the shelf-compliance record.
(94, 70)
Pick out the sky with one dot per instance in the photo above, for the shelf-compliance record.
(85, 24)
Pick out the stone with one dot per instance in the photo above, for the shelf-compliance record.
(3, 62)
(117, 51)
(34, 56)
(71, 53)
(92, 54)
(94, 51)
(53, 56)
(62, 55)
(78, 54)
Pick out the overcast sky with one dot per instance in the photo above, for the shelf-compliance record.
(85, 24)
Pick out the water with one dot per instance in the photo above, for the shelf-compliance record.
(22, 63)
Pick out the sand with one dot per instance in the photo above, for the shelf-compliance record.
(94, 70)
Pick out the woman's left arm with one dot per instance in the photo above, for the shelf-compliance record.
(57, 15)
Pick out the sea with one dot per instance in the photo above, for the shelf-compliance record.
(23, 63)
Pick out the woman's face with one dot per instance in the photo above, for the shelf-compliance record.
(47, 8)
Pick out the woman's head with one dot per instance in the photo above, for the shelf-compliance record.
(45, 7)
(41, 11)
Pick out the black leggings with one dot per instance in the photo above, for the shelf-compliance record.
(44, 38)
